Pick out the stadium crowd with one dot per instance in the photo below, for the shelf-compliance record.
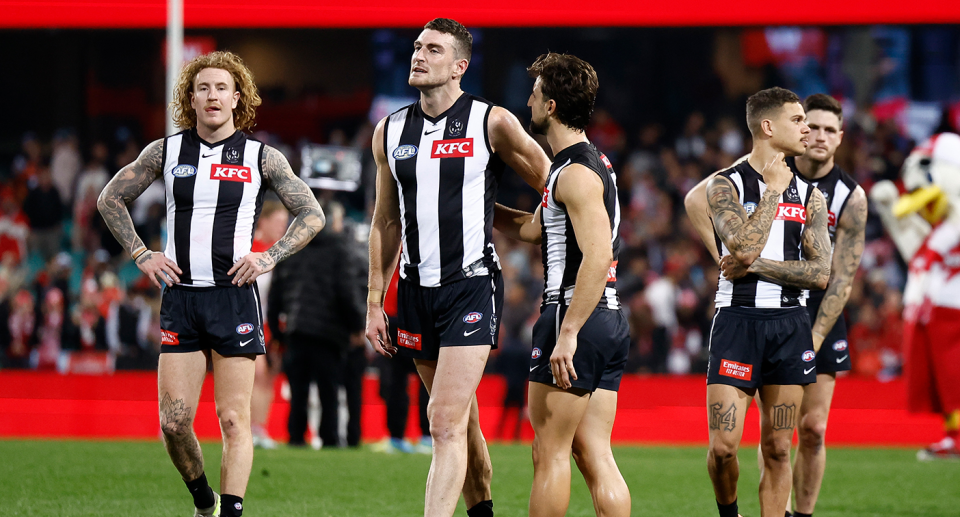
(68, 292)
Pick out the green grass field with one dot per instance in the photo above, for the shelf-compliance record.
(67, 478)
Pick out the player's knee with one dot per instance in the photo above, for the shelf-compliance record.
(776, 450)
(812, 433)
(722, 452)
(175, 430)
(233, 423)
(446, 424)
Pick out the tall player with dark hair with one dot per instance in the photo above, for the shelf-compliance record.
(847, 212)
(771, 232)
(215, 179)
(439, 162)
(582, 338)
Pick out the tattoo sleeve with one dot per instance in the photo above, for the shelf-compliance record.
(813, 271)
(126, 186)
(745, 236)
(846, 258)
(299, 200)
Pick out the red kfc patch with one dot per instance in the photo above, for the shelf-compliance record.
(612, 272)
(546, 196)
(230, 173)
(736, 370)
(791, 212)
(459, 148)
(168, 337)
(409, 340)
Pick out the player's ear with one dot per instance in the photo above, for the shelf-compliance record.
(461, 67)
(766, 125)
(551, 107)
(236, 99)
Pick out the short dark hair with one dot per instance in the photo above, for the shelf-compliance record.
(571, 82)
(760, 104)
(822, 101)
(463, 40)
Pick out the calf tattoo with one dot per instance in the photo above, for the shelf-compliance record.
(182, 445)
(783, 417)
(721, 420)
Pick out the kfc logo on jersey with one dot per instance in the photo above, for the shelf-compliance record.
(546, 195)
(606, 161)
(409, 340)
(168, 337)
(831, 219)
(612, 272)
(459, 148)
(808, 356)
(230, 173)
(791, 212)
(736, 370)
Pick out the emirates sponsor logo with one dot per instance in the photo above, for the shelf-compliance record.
(168, 337)
(409, 340)
(736, 370)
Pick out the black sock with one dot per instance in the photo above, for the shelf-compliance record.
(231, 505)
(728, 510)
(201, 492)
(481, 509)
(788, 514)
(798, 514)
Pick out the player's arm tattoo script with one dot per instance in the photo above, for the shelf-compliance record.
(813, 272)
(176, 423)
(723, 420)
(846, 259)
(126, 186)
(783, 417)
(299, 200)
(743, 235)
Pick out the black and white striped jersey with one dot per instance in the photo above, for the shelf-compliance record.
(447, 177)
(783, 243)
(214, 196)
(560, 250)
(836, 187)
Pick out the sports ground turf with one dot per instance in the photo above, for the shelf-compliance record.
(67, 478)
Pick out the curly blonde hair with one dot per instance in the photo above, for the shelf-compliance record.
(243, 116)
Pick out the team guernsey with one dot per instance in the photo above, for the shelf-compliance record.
(761, 332)
(604, 339)
(836, 187)
(447, 176)
(214, 194)
(450, 290)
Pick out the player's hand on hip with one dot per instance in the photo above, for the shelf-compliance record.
(159, 268)
(732, 268)
(251, 266)
(776, 174)
(377, 331)
(561, 360)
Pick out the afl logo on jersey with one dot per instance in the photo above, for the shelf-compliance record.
(184, 171)
(840, 346)
(404, 151)
(536, 353)
(473, 317)
(244, 328)
(808, 356)
(750, 207)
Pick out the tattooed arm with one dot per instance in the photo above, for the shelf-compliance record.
(126, 186)
(308, 219)
(846, 259)
(695, 203)
(813, 272)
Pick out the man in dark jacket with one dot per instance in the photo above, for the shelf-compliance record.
(315, 292)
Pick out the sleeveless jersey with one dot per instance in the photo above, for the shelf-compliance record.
(214, 195)
(783, 243)
(447, 177)
(560, 250)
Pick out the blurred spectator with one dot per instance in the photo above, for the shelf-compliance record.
(20, 329)
(605, 133)
(50, 331)
(26, 165)
(14, 229)
(65, 164)
(44, 210)
(89, 185)
(690, 145)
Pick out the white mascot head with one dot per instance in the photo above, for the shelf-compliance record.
(931, 175)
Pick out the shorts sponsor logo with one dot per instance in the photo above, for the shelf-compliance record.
(168, 337)
(473, 317)
(183, 171)
(736, 370)
(750, 207)
(244, 328)
(404, 151)
(612, 272)
(409, 340)
(457, 148)
(536, 353)
(791, 212)
(808, 356)
(840, 346)
(223, 172)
